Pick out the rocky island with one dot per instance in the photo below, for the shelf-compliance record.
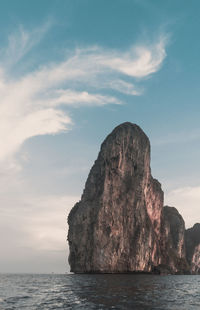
(120, 224)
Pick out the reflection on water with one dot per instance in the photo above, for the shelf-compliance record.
(99, 292)
(141, 291)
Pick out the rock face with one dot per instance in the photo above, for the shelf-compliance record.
(192, 238)
(173, 241)
(120, 225)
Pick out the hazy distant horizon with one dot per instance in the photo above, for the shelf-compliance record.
(70, 71)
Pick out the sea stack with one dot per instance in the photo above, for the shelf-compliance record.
(120, 225)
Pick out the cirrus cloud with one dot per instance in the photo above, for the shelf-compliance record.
(32, 103)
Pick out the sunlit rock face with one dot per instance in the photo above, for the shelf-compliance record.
(192, 238)
(120, 225)
(116, 225)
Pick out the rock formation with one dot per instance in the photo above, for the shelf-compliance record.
(120, 225)
(192, 238)
(173, 241)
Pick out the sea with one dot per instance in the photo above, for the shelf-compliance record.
(101, 291)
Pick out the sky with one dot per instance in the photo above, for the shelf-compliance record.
(70, 71)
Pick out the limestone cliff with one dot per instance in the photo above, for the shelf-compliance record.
(192, 238)
(173, 241)
(120, 225)
(116, 225)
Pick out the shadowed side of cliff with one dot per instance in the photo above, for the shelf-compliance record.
(192, 238)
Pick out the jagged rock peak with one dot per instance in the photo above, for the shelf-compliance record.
(116, 225)
(126, 138)
(195, 229)
(124, 129)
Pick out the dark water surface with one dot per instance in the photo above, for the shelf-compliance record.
(44, 292)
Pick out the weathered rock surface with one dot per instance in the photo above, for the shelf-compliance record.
(173, 241)
(120, 225)
(192, 238)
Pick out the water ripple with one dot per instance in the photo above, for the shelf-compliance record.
(141, 292)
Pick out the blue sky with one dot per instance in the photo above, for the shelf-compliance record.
(70, 71)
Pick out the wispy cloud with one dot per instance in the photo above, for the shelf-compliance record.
(21, 42)
(125, 87)
(139, 61)
(32, 104)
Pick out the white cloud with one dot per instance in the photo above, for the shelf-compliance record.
(139, 61)
(125, 87)
(21, 42)
(75, 98)
(187, 201)
(32, 104)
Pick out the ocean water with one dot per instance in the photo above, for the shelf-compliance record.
(44, 292)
